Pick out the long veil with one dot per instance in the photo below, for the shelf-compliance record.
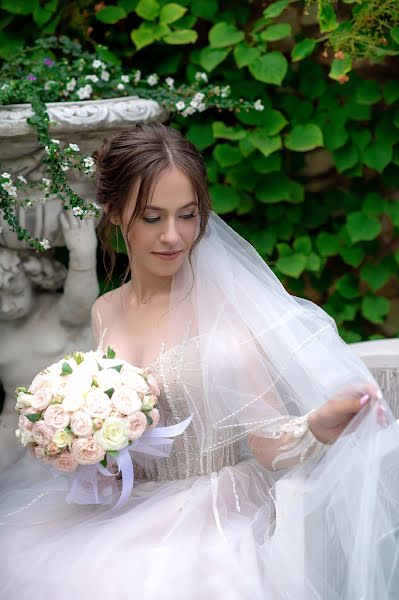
(266, 356)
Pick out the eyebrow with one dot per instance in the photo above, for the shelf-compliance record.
(163, 209)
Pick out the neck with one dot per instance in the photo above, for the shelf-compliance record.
(146, 285)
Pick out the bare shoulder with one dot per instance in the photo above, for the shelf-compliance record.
(104, 309)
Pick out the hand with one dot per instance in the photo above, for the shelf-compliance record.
(80, 239)
(329, 420)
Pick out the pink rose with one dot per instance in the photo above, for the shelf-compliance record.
(126, 400)
(65, 462)
(97, 404)
(42, 433)
(56, 417)
(41, 399)
(53, 449)
(134, 380)
(154, 414)
(86, 451)
(136, 425)
(153, 385)
(23, 422)
(40, 454)
(42, 381)
(81, 424)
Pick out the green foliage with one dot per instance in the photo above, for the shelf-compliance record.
(329, 232)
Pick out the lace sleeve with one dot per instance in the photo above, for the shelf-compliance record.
(293, 444)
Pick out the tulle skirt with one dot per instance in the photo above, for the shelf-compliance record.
(327, 530)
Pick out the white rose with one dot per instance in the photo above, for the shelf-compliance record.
(25, 436)
(24, 400)
(113, 435)
(134, 380)
(126, 400)
(63, 438)
(81, 424)
(97, 404)
(136, 425)
(43, 380)
(73, 401)
(148, 402)
(109, 379)
(41, 399)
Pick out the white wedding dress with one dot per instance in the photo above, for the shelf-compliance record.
(196, 526)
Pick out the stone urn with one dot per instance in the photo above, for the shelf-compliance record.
(85, 123)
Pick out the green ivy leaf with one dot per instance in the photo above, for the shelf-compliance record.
(224, 199)
(374, 204)
(205, 9)
(274, 188)
(335, 136)
(304, 137)
(267, 164)
(273, 122)
(303, 245)
(362, 227)
(394, 33)
(328, 244)
(227, 155)
(376, 275)
(375, 308)
(224, 34)
(302, 49)
(110, 14)
(313, 263)
(293, 265)
(66, 369)
(200, 135)
(148, 9)
(348, 286)
(20, 7)
(368, 92)
(275, 9)
(391, 91)
(327, 18)
(378, 155)
(212, 57)
(221, 130)
(171, 12)
(244, 55)
(353, 255)
(144, 35)
(276, 32)
(269, 68)
(181, 36)
(110, 352)
(266, 145)
(340, 67)
(345, 158)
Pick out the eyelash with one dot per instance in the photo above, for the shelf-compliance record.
(154, 220)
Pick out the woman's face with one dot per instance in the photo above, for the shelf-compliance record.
(162, 236)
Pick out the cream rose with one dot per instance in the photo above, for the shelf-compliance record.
(63, 438)
(108, 379)
(55, 416)
(97, 404)
(154, 414)
(41, 399)
(65, 462)
(43, 381)
(148, 402)
(24, 436)
(24, 400)
(113, 435)
(73, 400)
(81, 424)
(134, 380)
(136, 425)
(87, 451)
(126, 400)
(42, 433)
(153, 385)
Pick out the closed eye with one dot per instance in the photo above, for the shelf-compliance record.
(155, 219)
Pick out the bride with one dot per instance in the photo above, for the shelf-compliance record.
(285, 484)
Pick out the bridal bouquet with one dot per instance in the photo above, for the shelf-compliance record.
(85, 413)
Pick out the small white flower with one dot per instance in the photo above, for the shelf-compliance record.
(45, 244)
(120, 86)
(77, 211)
(5, 86)
(92, 78)
(74, 147)
(188, 111)
(258, 105)
(64, 167)
(98, 64)
(199, 96)
(104, 75)
(48, 84)
(85, 92)
(152, 79)
(71, 85)
(55, 141)
(201, 76)
(88, 164)
(22, 178)
(225, 91)
(6, 175)
(170, 82)
(137, 76)
(180, 105)
(201, 107)
(125, 78)
(194, 103)
(9, 188)
(47, 150)
(46, 182)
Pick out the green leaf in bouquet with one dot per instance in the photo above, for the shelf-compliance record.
(113, 453)
(117, 368)
(109, 392)
(79, 358)
(35, 417)
(67, 429)
(94, 382)
(110, 352)
(103, 462)
(66, 369)
(23, 390)
(149, 419)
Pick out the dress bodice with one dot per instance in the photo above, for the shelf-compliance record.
(179, 377)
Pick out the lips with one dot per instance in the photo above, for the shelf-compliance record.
(167, 253)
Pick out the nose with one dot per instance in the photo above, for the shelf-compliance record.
(170, 234)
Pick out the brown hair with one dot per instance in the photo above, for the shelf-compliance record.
(141, 154)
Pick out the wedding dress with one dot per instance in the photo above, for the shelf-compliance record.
(210, 522)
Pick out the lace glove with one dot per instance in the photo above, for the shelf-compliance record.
(292, 444)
